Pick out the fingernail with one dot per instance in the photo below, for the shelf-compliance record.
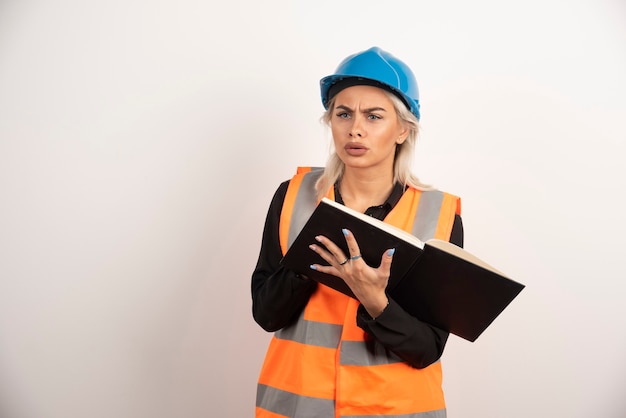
(318, 238)
(391, 252)
(313, 267)
(312, 246)
(345, 231)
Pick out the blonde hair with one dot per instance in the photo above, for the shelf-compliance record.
(404, 152)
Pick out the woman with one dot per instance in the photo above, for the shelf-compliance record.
(332, 355)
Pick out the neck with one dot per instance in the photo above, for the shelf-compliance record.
(361, 192)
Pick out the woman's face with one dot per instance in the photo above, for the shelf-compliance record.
(366, 128)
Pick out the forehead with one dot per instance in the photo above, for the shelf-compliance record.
(363, 95)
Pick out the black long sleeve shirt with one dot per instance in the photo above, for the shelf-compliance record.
(279, 295)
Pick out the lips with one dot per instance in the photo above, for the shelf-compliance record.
(355, 149)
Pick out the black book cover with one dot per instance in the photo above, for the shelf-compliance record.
(454, 294)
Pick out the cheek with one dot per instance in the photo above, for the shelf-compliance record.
(390, 136)
(337, 131)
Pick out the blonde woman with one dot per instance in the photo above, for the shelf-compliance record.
(332, 355)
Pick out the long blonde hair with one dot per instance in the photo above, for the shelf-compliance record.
(404, 152)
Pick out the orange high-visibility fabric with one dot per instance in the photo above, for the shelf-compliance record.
(299, 368)
(264, 413)
(395, 388)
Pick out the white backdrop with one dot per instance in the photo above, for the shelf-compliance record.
(141, 142)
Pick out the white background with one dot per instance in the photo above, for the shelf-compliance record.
(141, 142)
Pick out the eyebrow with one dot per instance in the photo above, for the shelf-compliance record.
(368, 110)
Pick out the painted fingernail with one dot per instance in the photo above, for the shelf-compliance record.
(313, 267)
(391, 252)
(345, 231)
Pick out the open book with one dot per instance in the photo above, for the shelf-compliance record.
(435, 281)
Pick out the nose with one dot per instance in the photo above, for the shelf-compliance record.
(356, 129)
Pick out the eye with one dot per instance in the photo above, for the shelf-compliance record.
(343, 115)
(372, 116)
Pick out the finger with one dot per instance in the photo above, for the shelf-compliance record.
(328, 257)
(334, 261)
(323, 253)
(325, 269)
(385, 262)
(353, 245)
(332, 250)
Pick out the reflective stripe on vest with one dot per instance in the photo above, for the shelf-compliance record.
(427, 216)
(289, 404)
(306, 201)
(314, 333)
(323, 365)
(352, 353)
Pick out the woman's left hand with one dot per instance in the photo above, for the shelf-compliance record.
(367, 283)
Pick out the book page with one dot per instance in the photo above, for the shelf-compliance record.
(461, 253)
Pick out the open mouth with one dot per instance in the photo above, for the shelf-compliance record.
(355, 149)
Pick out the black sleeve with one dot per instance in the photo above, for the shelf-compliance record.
(278, 294)
(414, 341)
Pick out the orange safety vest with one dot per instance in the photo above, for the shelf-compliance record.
(324, 365)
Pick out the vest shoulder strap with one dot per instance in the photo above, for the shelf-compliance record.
(435, 215)
(300, 202)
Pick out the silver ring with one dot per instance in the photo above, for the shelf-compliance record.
(344, 261)
(355, 257)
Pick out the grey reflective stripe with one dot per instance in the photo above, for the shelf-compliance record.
(440, 413)
(292, 405)
(427, 215)
(305, 203)
(319, 334)
(366, 353)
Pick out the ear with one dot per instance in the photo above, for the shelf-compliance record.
(404, 134)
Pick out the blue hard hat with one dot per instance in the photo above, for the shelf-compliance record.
(374, 67)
